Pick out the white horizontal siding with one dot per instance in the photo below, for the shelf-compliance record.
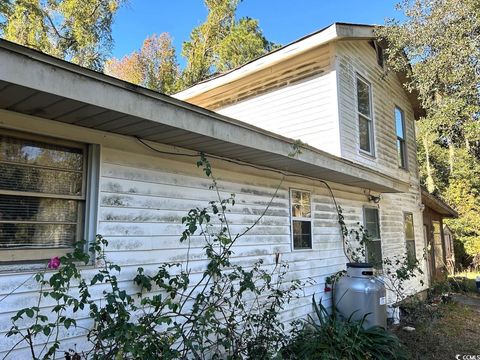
(142, 198)
(387, 92)
(306, 110)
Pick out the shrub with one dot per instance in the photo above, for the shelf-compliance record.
(228, 311)
(328, 337)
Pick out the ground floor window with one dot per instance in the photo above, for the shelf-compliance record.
(373, 248)
(42, 196)
(301, 216)
(410, 238)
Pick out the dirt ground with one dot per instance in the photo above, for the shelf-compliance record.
(443, 330)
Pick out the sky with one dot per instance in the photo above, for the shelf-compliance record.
(282, 21)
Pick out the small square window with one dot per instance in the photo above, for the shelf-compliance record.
(301, 215)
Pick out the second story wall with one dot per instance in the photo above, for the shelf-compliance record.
(302, 106)
(357, 59)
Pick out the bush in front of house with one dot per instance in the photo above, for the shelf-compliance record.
(328, 337)
(226, 310)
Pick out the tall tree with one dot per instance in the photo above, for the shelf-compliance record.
(154, 66)
(221, 43)
(438, 46)
(75, 30)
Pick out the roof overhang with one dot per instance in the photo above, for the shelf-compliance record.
(36, 84)
(438, 205)
(334, 32)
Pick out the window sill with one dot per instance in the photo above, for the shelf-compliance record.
(34, 266)
(302, 249)
(365, 154)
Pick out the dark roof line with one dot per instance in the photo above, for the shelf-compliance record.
(436, 200)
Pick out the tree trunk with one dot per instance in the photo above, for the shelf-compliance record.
(430, 182)
(451, 155)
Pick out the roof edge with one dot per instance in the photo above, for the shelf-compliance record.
(437, 204)
(335, 31)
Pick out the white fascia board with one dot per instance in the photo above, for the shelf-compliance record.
(335, 31)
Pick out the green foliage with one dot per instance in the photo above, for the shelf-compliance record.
(437, 47)
(396, 270)
(221, 43)
(154, 66)
(228, 311)
(75, 30)
(328, 337)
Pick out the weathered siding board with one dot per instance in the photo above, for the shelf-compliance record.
(358, 57)
(304, 110)
(143, 197)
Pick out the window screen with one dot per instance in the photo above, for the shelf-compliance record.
(400, 131)
(437, 245)
(42, 193)
(301, 219)
(374, 245)
(410, 238)
(364, 109)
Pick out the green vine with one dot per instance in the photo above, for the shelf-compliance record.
(228, 311)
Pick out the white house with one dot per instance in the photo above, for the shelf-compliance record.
(74, 163)
(332, 91)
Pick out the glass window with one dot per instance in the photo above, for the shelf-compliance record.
(301, 219)
(42, 195)
(437, 245)
(364, 109)
(400, 131)
(410, 237)
(374, 245)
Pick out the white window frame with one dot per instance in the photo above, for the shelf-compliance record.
(88, 201)
(370, 118)
(292, 218)
(379, 232)
(397, 138)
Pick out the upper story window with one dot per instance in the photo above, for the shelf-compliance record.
(42, 196)
(400, 131)
(365, 118)
(410, 238)
(301, 219)
(373, 249)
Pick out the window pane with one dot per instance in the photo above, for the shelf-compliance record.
(372, 223)
(302, 234)
(437, 245)
(364, 133)
(41, 154)
(363, 98)
(39, 220)
(374, 253)
(18, 235)
(399, 123)
(45, 181)
(32, 209)
(300, 204)
(409, 231)
(401, 153)
(411, 253)
(296, 197)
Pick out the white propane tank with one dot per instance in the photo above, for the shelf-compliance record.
(359, 293)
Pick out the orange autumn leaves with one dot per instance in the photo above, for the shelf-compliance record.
(154, 66)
